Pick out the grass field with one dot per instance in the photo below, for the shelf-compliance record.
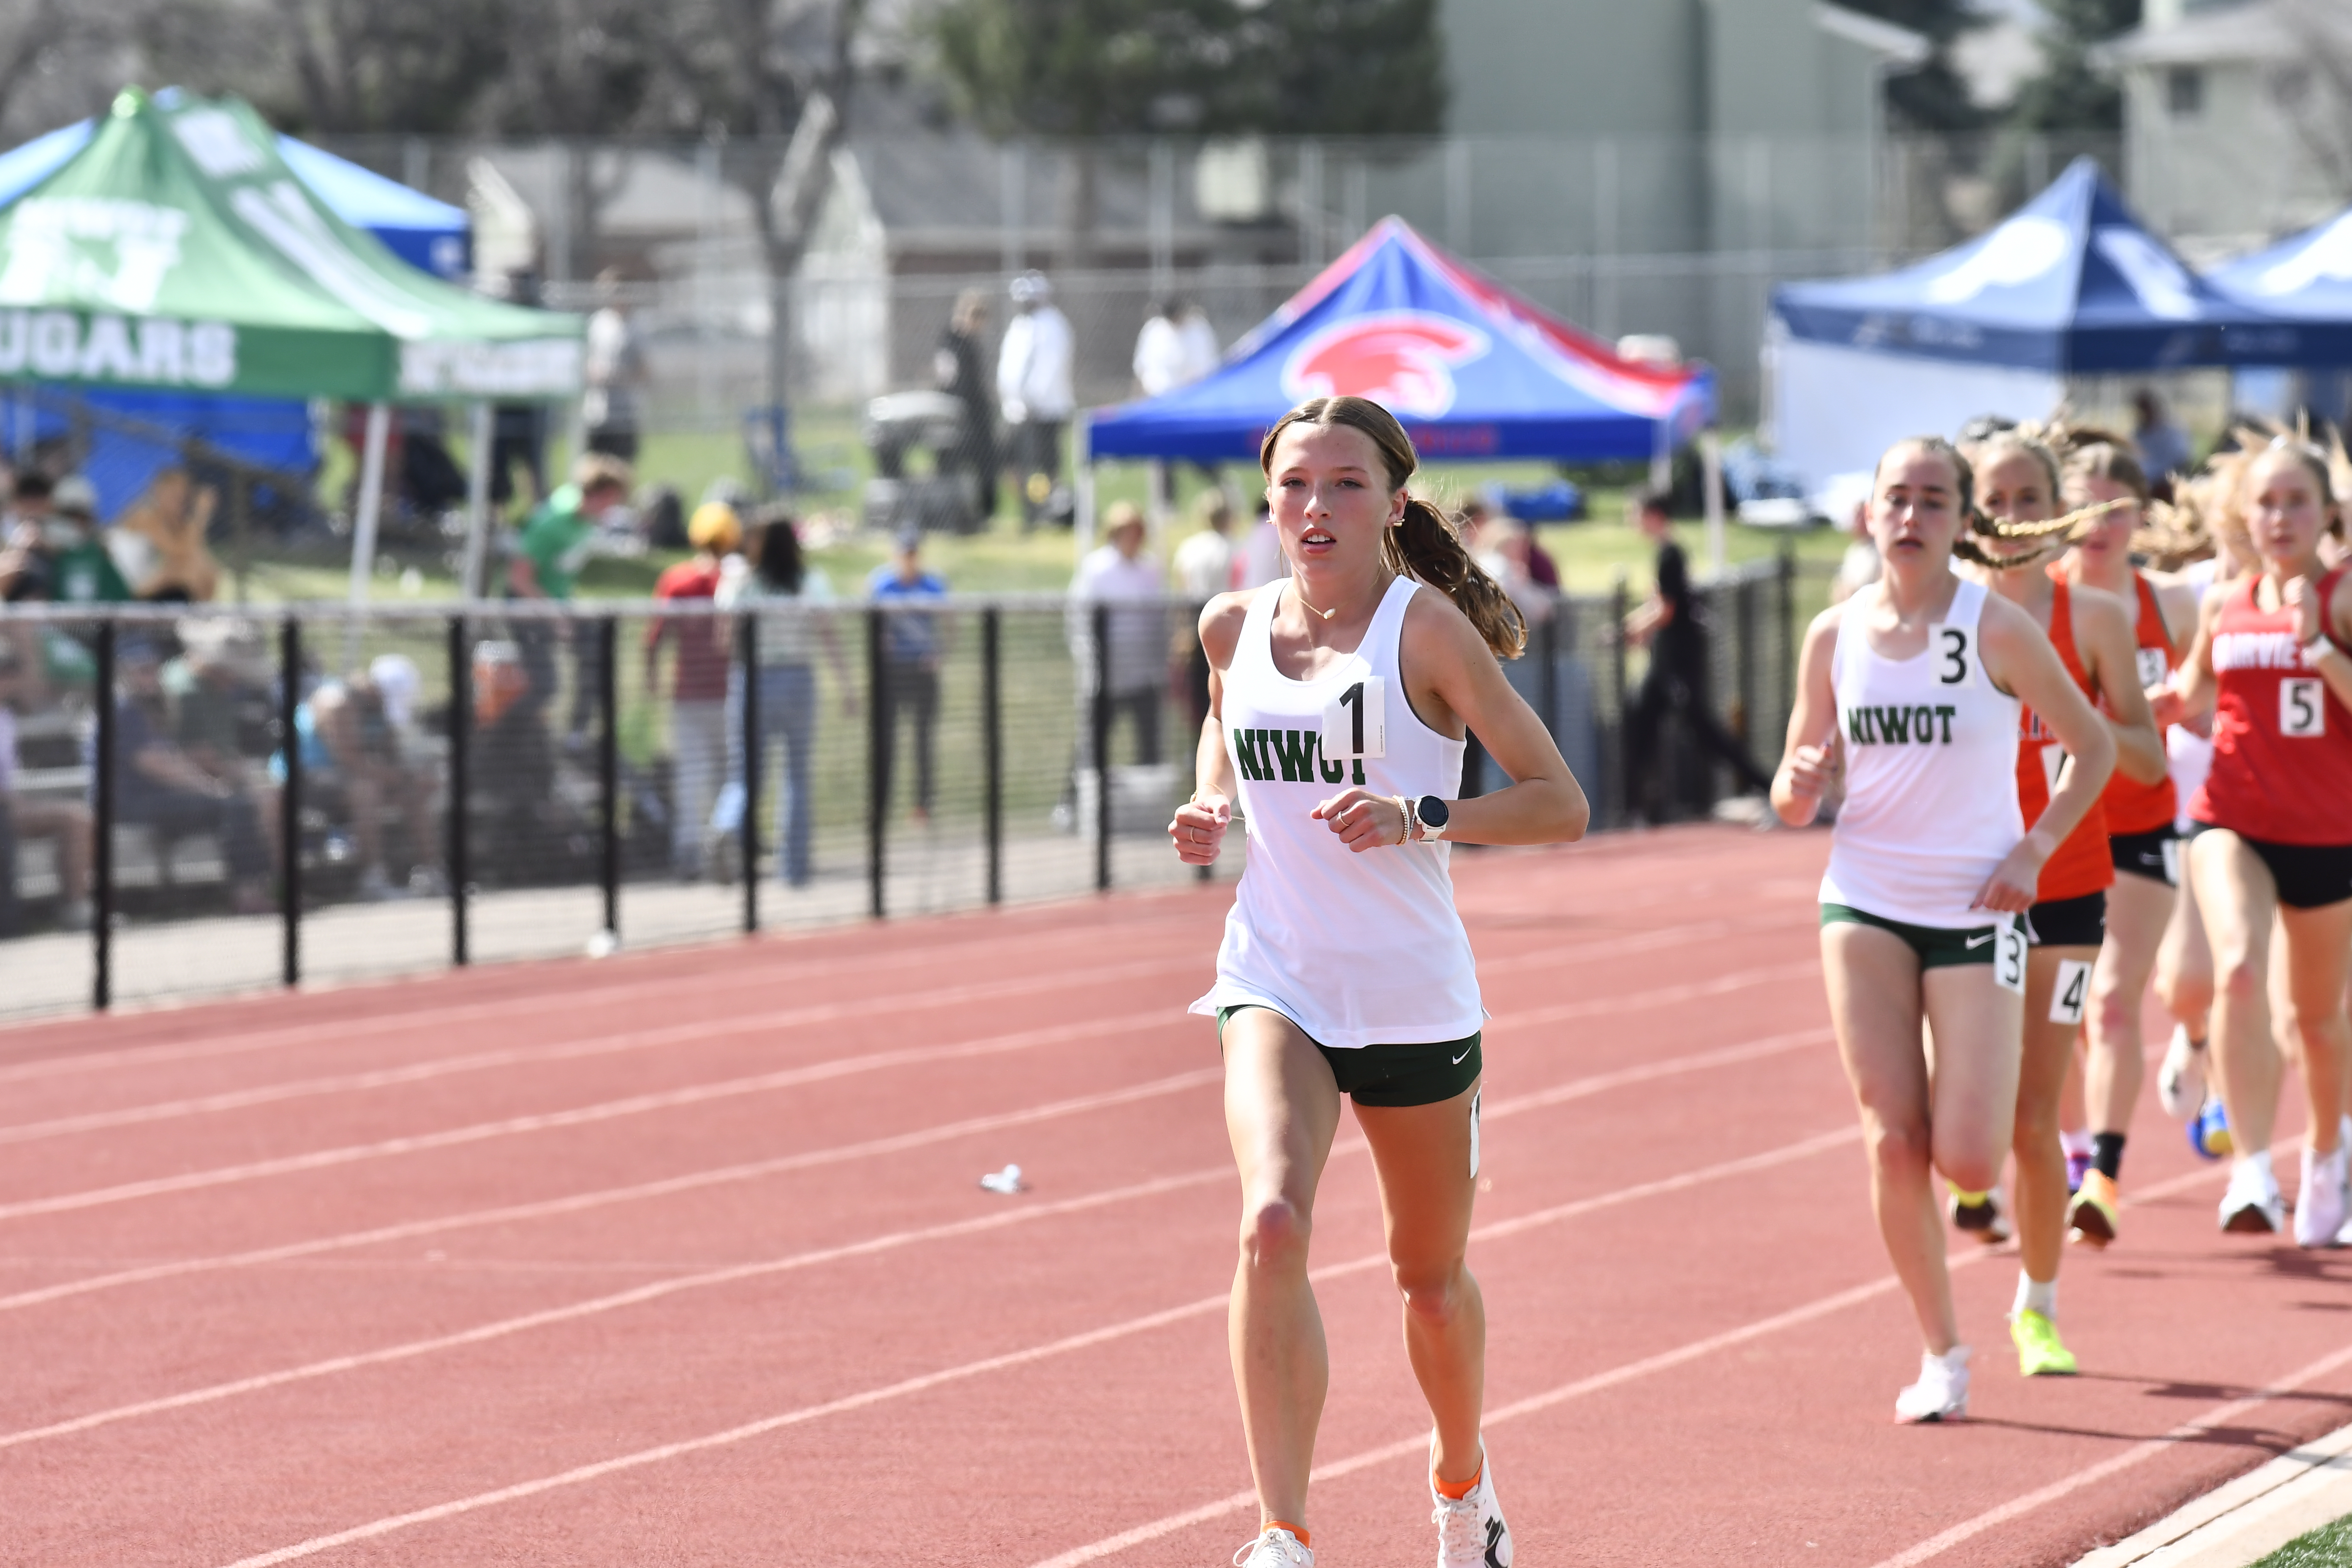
(2329, 1546)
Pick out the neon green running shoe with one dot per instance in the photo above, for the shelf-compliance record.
(2039, 1353)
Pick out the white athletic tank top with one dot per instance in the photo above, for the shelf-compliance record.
(1930, 776)
(1357, 950)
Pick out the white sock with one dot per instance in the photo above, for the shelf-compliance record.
(2076, 1144)
(2260, 1162)
(2036, 1296)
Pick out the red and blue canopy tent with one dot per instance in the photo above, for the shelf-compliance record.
(1474, 372)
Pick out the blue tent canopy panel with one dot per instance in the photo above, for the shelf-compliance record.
(2307, 278)
(2072, 284)
(1474, 370)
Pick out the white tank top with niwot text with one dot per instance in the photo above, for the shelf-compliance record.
(1930, 749)
(1357, 950)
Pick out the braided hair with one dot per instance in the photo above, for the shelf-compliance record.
(1424, 545)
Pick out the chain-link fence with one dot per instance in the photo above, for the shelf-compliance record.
(489, 781)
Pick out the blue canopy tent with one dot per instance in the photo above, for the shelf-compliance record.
(2072, 284)
(270, 432)
(1472, 369)
(2307, 279)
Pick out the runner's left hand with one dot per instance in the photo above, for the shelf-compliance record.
(1363, 820)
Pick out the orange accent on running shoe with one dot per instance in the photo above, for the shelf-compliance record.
(1457, 1490)
(1297, 1530)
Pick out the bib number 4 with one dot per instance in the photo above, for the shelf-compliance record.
(2073, 988)
(2303, 707)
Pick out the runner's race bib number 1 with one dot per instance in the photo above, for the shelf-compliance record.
(2072, 989)
(2009, 958)
(1954, 651)
(2303, 707)
(1357, 724)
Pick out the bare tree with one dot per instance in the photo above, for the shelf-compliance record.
(2314, 89)
(60, 60)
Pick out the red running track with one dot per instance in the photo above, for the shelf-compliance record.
(681, 1258)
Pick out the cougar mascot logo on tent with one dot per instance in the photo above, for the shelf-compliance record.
(1402, 359)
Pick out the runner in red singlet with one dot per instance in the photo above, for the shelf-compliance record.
(2141, 838)
(2273, 830)
(2019, 480)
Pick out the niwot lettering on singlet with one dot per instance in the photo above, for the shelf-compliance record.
(1871, 724)
(2257, 650)
(1289, 756)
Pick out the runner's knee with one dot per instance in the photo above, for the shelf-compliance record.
(1274, 1234)
(1900, 1147)
(1432, 1293)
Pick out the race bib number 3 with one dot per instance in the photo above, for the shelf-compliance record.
(1357, 724)
(1953, 650)
(2154, 667)
(2009, 958)
(2073, 988)
(2303, 707)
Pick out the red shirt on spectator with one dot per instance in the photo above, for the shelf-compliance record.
(701, 662)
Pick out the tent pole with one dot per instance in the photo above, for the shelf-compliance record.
(1083, 459)
(371, 508)
(1710, 452)
(478, 500)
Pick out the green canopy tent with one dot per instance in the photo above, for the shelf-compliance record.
(177, 250)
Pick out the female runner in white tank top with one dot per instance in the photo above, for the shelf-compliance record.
(1339, 697)
(1918, 678)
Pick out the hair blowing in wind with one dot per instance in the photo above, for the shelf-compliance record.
(1424, 545)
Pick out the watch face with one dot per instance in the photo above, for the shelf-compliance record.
(1433, 811)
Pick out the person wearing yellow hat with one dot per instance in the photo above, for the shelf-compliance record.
(698, 708)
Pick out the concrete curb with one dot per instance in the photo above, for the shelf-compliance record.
(2242, 1522)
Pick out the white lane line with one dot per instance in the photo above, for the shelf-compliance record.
(2139, 1453)
(1824, 1306)
(762, 1083)
(753, 975)
(579, 1116)
(701, 1030)
(577, 1202)
(692, 1033)
(1206, 1305)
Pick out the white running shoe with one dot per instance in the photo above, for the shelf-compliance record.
(2319, 1206)
(1275, 1548)
(2252, 1205)
(1942, 1392)
(2180, 1081)
(1470, 1532)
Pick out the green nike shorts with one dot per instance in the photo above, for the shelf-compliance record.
(1939, 947)
(1394, 1074)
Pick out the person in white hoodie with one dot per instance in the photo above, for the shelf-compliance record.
(1034, 390)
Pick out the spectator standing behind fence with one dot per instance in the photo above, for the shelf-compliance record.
(1120, 575)
(2163, 449)
(158, 787)
(911, 653)
(1204, 568)
(59, 558)
(956, 367)
(24, 817)
(1675, 686)
(792, 599)
(613, 408)
(1036, 388)
(698, 704)
(556, 540)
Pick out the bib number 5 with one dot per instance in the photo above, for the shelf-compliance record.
(2009, 958)
(2303, 707)
(1954, 651)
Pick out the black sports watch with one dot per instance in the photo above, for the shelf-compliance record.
(1434, 814)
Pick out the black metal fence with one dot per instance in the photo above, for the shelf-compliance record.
(489, 780)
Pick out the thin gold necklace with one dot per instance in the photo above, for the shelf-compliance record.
(1301, 594)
